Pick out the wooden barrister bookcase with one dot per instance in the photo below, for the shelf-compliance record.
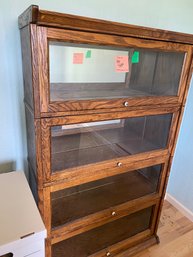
(103, 102)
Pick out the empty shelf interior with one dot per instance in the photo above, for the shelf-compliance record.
(80, 149)
(79, 201)
(86, 91)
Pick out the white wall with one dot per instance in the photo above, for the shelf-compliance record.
(172, 15)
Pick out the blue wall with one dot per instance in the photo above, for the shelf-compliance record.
(172, 15)
(181, 179)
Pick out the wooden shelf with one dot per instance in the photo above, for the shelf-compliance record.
(74, 203)
(86, 91)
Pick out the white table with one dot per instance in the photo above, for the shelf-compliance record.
(22, 231)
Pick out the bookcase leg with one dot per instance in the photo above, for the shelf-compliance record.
(48, 248)
(157, 239)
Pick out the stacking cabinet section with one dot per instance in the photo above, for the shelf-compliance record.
(86, 199)
(100, 71)
(108, 235)
(103, 102)
(89, 205)
(82, 146)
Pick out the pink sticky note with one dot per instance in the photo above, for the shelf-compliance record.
(121, 64)
(78, 58)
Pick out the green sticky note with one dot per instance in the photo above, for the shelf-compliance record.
(88, 54)
(135, 57)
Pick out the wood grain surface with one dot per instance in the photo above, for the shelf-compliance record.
(74, 22)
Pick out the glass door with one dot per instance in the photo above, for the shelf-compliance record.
(93, 142)
(85, 244)
(87, 71)
(99, 195)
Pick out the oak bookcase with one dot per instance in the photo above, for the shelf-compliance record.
(104, 103)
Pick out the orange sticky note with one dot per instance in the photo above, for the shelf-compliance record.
(78, 58)
(122, 64)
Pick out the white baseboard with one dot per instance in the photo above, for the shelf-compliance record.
(180, 207)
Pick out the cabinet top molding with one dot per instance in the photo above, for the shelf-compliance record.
(33, 15)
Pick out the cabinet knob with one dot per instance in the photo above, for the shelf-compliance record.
(126, 104)
(119, 164)
(113, 213)
(108, 254)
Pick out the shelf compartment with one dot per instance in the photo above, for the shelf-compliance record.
(87, 143)
(94, 240)
(98, 76)
(85, 199)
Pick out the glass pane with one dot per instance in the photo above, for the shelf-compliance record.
(81, 72)
(85, 199)
(102, 237)
(86, 143)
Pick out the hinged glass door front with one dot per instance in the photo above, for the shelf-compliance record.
(87, 72)
(107, 193)
(88, 143)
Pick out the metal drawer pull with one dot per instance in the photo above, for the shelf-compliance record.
(126, 104)
(108, 254)
(113, 213)
(119, 164)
